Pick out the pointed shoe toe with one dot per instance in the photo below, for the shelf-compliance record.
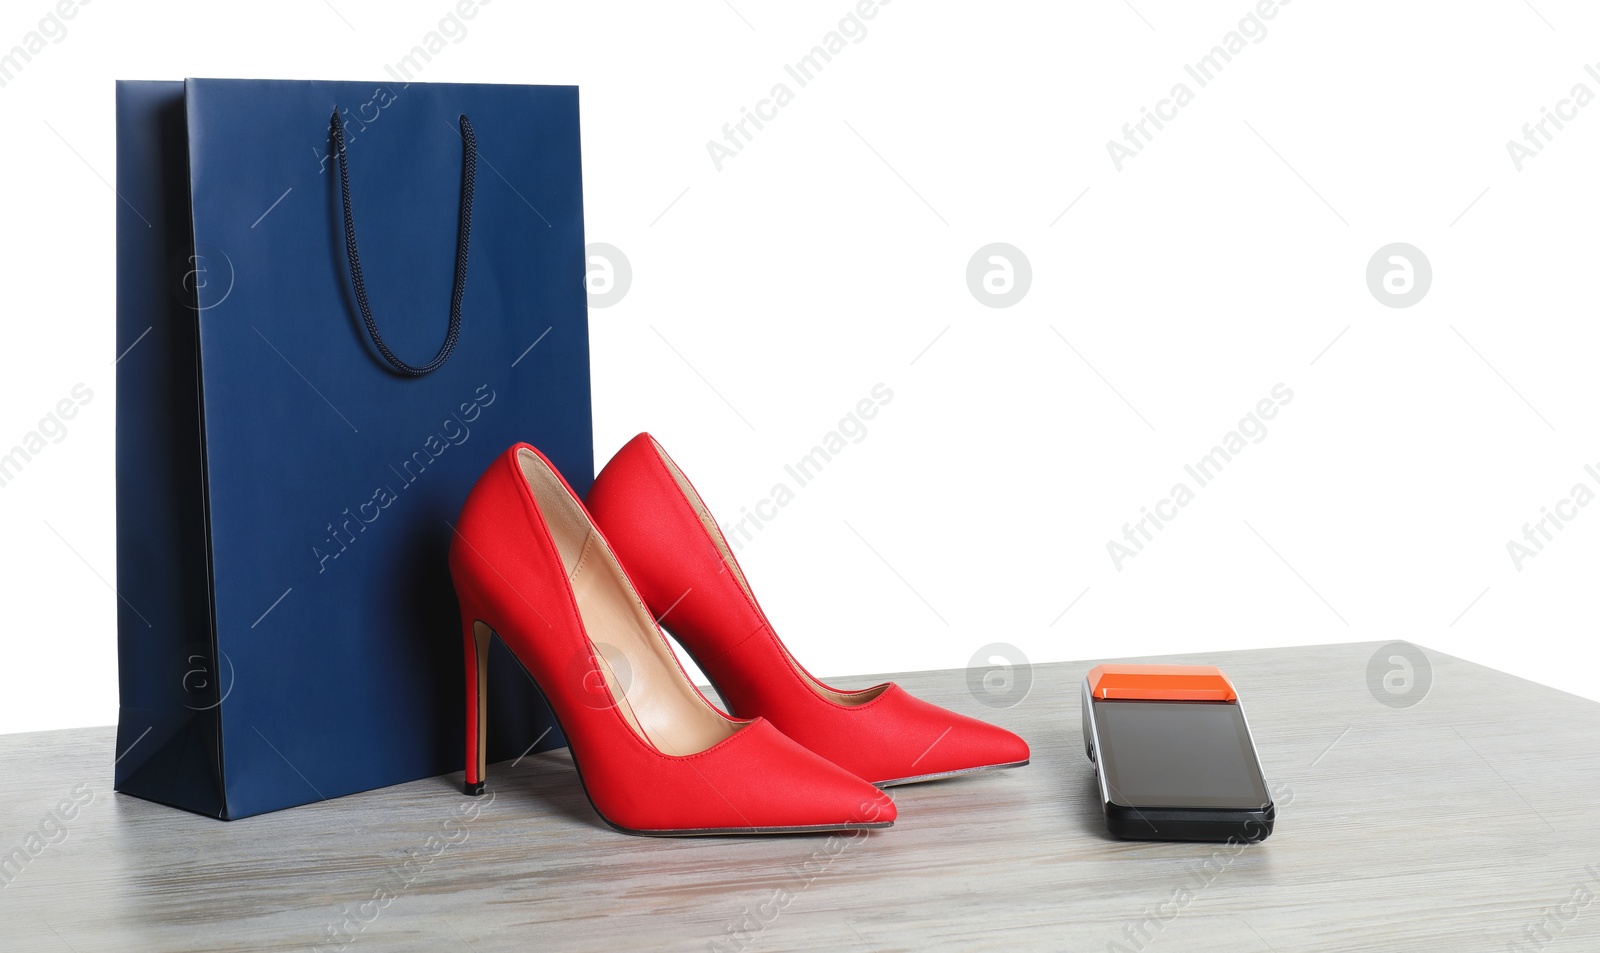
(942, 743)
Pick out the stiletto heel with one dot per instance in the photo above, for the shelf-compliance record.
(477, 669)
(688, 576)
(654, 756)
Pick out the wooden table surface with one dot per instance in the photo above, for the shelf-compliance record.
(1464, 822)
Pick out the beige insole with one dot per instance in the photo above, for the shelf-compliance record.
(635, 663)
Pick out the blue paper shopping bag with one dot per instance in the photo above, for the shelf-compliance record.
(336, 304)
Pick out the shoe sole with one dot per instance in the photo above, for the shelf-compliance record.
(737, 831)
(688, 831)
(941, 775)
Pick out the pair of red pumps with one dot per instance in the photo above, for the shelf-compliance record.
(532, 565)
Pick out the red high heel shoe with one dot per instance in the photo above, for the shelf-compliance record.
(688, 576)
(656, 757)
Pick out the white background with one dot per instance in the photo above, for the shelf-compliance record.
(831, 254)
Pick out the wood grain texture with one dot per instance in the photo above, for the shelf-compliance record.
(1451, 825)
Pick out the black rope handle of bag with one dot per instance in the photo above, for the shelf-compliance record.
(469, 174)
